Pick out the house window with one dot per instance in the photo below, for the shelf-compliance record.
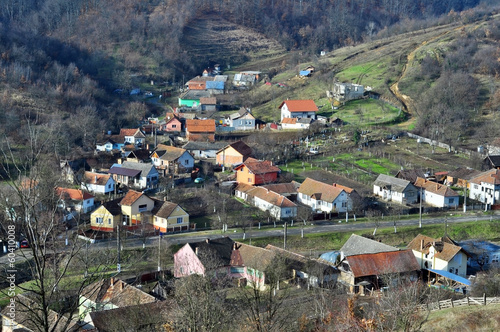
(143, 207)
(179, 220)
(109, 186)
(98, 220)
(186, 162)
(109, 221)
(344, 204)
(250, 180)
(451, 200)
(125, 219)
(174, 126)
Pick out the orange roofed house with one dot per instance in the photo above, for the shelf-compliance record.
(323, 197)
(298, 109)
(255, 172)
(485, 187)
(233, 154)
(200, 130)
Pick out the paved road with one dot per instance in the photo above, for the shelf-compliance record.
(319, 227)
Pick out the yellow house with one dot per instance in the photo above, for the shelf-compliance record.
(107, 216)
(170, 217)
(136, 207)
(233, 154)
(130, 210)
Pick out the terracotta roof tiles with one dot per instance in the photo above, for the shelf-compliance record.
(445, 250)
(320, 190)
(259, 166)
(436, 188)
(200, 126)
(492, 177)
(300, 105)
(130, 197)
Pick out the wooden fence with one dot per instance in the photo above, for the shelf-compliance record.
(467, 301)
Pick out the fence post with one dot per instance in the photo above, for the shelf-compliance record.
(439, 305)
(484, 298)
(468, 303)
(452, 303)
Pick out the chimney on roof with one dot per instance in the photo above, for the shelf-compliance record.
(207, 240)
(121, 285)
(334, 184)
(196, 251)
(112, 281)
(422, 244)
(95, 179)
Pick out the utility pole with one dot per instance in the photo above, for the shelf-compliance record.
(159, 249)
(284, 235)
(465, 197)
(118, 267)
(420, 211)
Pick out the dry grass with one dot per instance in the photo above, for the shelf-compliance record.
(465, 319)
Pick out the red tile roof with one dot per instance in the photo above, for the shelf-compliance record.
(96, 178)
(200, 126)
(130, 197)
(73, 194)
(492, 177)
(300, 105)
(434, 187)
(289, 121)
(259, 167)
(131, 132)
(270, 197)
(320, 190)
(383, 263)
(208, 100)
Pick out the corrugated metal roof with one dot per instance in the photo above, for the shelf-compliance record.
(383, 263)
(451, 276)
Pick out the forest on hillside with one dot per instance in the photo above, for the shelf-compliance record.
(60, 60)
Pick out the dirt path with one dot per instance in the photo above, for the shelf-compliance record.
(408, 103)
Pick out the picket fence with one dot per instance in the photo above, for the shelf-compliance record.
(467, 301)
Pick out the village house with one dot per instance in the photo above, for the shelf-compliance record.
(298, 109)
(171, 160)
(246, 78)
(322, 197)
(485, 188)
(107, 216)
(393, 189)
(241, 120)
(441, 254)
(191, 98)
(343, 92)
(136, 208)
(208, 104)
(135, 175)
(200, 130)
(172, 123)
(437, 194)
(170, 217)
(75, 199)
(108, 143)
(98, 183)
(256, 172)
(131, 210)
(107, 294)
(376, 270)
(233, 154)
(133, 136)
(203, 150)
(277, 205)
(289, 190)
(245, 263)
(296, 123)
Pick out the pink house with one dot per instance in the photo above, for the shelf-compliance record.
(172, 123)
(225, 257)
